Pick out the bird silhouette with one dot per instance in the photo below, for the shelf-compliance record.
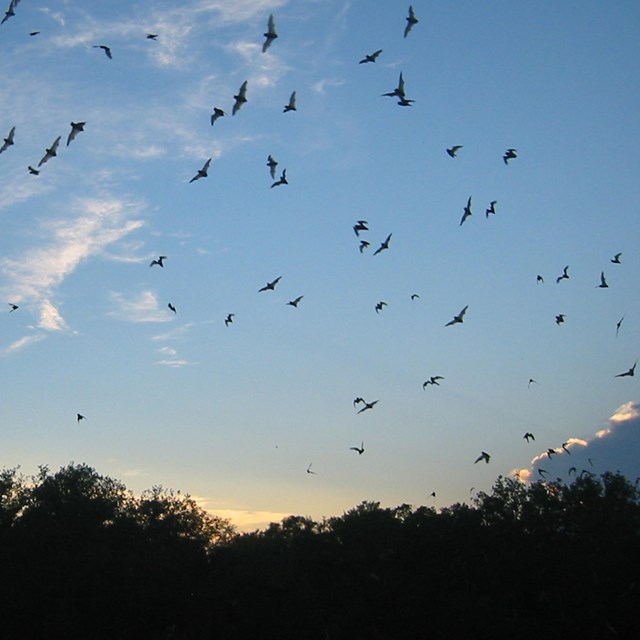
(107, 50)
(33, 171)
(616, 259)
(79, 417)
(360, 225)
(509, 154)
(281, 180)
(368, 405)
(603, 282)
(240, 98)
(550, 452)
(152, 36)
(270, 286)
(565, 447)
(358, 400)
(459, 318)
(380, 306)
(229, 319)
(309, 469)
(398, 92)
(363, 245)
(172, 308)
(560, 318)
(542, 472)
(383, 246)
(618, 325)
(572, 470)
(8, 141)
(51, 152)
(76, 128)
(491, 208)
(414, 296)
(528, 436)
(9, 13)
(370, 57)
(272, 164)
(435, 380)
(483, 456)
(159, 261)
(564, 276)
(270, 34)
(467, 212)
(217, 113)
(295, 301)
(453, 151)
(291, 105)
(411, 20)
(14, 307)
(359, 449)
(202, 173)
(34, 33)
(405, 102)
(539, 279)
(531, 381)
(631, 372)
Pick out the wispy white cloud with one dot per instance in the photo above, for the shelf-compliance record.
(37, 273)
(23, 342)
(175, 363)
(143, 307)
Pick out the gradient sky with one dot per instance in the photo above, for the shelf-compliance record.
(235, 414)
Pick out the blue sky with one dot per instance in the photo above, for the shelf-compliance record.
(235, 414)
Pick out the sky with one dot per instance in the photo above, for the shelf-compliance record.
(236, 413)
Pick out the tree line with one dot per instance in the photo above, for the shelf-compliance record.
(82, 557)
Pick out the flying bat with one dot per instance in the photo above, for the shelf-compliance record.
(281, 180)
(491, 208)
(202, 173)
(359, 449)
(540, 279)
(452, 151)
(380, 306)
(270, 35)
(14, 307)
(363, 245)
(509, 154)
(618, 325)
(107, 50)
(270, 286)
(457, 319)
(152, 36)
(309, 469)
(272, 164)
(360, 225)
(240, 98)
(483, 456)
(79, 417)
(414, 296)
(33, 171)
(411, 20)
(564, 276)
(531, 381)
(603, 282)
(172, 308)
(217, 113)
(564, 446)
(631, 372)
(9, 13)
(550, 452)
(8, 141)
(384, 245)
(560, 318)
(291, 106)
(528, 436)
(370, 57)
(467, 211)
(368, 405)
(229, 319)
(432, 380)
(295, 301)
(159, 261)
(616, 259)
(358, 400)
(398, 92)
(51, 152)
(76, 128)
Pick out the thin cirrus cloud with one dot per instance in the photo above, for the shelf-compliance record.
(23, 342)
(612, 448)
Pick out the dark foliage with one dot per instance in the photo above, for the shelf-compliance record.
(81, 557)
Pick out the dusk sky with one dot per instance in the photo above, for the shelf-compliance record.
(234, 413)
